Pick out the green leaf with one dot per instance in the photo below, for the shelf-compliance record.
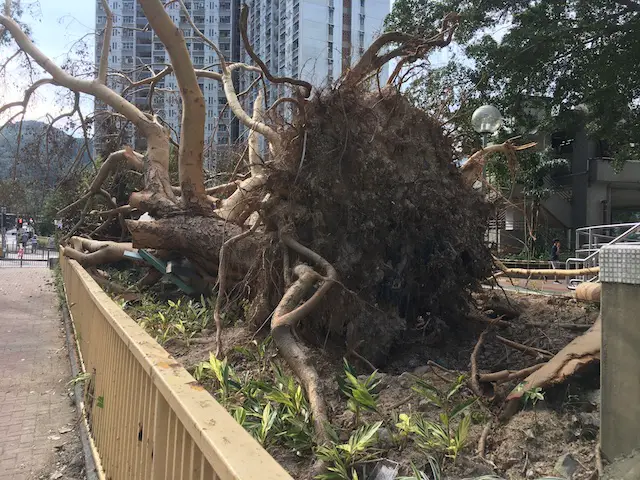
(100, 401)
(461, 407)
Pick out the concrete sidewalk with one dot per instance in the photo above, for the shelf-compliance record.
(36, 413)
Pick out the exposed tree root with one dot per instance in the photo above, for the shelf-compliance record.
(150, 278)
(106, 284)
(480, 317)
(99, 252)
(288, 313)
(222, 283)
(482, 443)
(508, 375)
(536, 352)
(475, 386)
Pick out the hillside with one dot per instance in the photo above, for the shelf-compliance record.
(33, 161)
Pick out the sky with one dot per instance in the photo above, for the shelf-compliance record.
(56, 26)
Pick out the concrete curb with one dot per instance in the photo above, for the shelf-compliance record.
(91, 471)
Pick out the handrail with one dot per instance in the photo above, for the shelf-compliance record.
(612, 225)
(149, 418)
(594, 256)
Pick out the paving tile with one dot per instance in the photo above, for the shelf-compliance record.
(34, 371)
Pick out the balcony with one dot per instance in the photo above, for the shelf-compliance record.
(601, 170)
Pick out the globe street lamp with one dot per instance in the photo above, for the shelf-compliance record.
(486, 120)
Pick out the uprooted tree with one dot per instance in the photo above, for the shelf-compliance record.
(351, 225)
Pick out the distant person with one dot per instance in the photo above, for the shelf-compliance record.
(554, 258)
(21, 252)
(25, 238)
(34, 243)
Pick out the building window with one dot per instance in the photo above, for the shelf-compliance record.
(330, 47)
(330, 30)
(361, 38)
(362, 4)
(225, 19)
(361, 22)
(127, 19)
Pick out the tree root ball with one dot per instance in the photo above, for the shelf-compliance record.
(377, 195)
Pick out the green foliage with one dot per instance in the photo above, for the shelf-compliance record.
(419, 475)
(532, 58)
(227, 381)
(361, 394)
(182, 319)
(258, 352)
(449, 434)
(343, 458)
(80, 378)
(533, 169)
(532, 395)
(270, 405)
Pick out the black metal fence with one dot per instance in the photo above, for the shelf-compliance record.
(29, 256)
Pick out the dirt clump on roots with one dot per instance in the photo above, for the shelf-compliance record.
(377, 195)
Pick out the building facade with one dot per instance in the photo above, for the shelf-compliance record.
(314, 40)
(134, 48)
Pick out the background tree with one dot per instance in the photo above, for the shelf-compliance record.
(551, 55)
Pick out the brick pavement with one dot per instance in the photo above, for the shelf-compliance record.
(34, 371)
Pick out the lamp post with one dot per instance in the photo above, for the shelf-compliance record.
(486, 120)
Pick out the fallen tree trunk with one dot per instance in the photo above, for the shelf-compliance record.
(589, 292)
(549, 272)
(580, 352)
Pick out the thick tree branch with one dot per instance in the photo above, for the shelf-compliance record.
(193, 107)
(409, 47)
(472, 168)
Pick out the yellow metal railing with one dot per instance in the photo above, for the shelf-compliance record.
(149, 418)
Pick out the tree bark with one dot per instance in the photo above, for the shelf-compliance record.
(200, 239)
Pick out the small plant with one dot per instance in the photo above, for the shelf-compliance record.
(444, 436)
(258, 352)
(343, 458)
(80, 378)
(179, 319)
(226, 379)
(532, 396)
(420, 475)
(361, 394)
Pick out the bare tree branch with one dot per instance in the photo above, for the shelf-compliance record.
(27, 95)
(106, 44)
(306, 86)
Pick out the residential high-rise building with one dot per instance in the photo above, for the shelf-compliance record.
(315, 40)
(137, 52)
